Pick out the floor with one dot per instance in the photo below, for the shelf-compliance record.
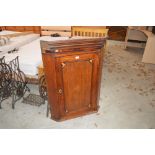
(127, 98)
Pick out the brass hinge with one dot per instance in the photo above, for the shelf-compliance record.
(63, 65)
(91, 60)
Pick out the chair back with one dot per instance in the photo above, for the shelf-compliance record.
(89, 31)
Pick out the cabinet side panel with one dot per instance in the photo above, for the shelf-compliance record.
(50, 75)
(101, 58)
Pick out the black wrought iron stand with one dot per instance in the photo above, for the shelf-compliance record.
(12, 81)
(13, 84)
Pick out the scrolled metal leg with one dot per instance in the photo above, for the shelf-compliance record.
(18, 82)
(43, 92)
(5, 81)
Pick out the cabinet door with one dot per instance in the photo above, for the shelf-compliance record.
(77, 83)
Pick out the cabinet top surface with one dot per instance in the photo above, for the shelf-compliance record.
(71, 44)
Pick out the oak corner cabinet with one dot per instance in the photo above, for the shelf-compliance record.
(73, 69)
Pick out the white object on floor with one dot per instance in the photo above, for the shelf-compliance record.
(30, 55)
(7, 32)
(17, 42)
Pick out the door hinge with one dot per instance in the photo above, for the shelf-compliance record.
(91, 60)
(63, 65)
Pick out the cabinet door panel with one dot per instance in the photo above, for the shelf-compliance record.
(77, 84)
(77, 78)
